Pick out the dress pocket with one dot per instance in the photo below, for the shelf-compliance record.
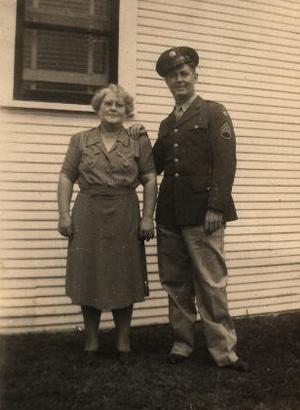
(90, 156)
(126, 160)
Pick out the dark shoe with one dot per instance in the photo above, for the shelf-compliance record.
(91, 356)
(92, 353)
(239, 365)
(174, 358)
(125, 358)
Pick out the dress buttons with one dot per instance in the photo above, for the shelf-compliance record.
(176, 159)
(176, 175)
(175, 145)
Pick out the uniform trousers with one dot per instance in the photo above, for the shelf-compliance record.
(192, 267)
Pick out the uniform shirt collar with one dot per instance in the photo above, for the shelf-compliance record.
(187, 103)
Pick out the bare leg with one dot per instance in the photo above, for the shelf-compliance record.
(91, 318)
(122, 319)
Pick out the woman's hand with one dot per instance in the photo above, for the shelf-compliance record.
(65, 225)
(146, 228)
(137, 130)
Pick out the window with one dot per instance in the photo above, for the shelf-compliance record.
(65, 49)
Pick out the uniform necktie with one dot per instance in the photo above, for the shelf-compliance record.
(179, 112)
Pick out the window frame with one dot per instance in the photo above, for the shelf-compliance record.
(18, 66)
(127, 59)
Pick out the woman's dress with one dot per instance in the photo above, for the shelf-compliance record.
(106, 264)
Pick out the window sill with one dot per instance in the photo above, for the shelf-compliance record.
(46, 106)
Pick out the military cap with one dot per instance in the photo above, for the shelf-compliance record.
(175, 56)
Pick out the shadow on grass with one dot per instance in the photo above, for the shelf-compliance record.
(49, 371)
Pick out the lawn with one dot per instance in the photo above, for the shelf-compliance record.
(48, 371)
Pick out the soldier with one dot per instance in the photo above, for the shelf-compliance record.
(195, 150)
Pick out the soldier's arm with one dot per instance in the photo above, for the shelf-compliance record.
(223, 149)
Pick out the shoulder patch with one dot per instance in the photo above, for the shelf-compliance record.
(225, 131)
(225, 112)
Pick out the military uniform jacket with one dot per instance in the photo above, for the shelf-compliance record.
(197, 155)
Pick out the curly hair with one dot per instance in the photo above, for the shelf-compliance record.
(118, 91)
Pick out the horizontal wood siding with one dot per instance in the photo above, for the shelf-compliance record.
(249, 61)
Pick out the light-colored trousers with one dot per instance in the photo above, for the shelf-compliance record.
(192, 266)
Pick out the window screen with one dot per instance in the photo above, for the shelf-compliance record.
(65, 49)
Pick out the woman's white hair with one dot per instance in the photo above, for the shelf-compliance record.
(118, 91)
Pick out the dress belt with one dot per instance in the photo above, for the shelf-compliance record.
(107, 191)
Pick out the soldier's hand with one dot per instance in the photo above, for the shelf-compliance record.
(136, 131)
(213, 221)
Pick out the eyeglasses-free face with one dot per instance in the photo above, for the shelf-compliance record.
(112, 109)
(181, 82)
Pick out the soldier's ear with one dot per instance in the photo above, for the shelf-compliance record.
(196, 75)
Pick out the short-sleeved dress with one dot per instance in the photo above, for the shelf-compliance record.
(106, 265)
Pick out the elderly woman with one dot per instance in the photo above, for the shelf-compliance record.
(106, 268)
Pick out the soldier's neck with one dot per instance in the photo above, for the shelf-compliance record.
(182, 100)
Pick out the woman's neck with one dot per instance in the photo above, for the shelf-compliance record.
(110, 129)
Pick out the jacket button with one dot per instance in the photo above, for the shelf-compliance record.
(175, 145)
(208, 188)
(175, 130)
(176, 160)
(196, 126)
(176, 175)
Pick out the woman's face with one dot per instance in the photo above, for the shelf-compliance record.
(112, 109)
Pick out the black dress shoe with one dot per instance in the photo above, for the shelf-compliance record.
(125, 358)
(91, 353)
(91, 357)
(174, 358)
(239, 365)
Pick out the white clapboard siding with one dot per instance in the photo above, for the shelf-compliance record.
(250, 62)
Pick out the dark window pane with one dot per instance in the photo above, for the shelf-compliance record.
(65, 49)
(61, 51)
(90, 14)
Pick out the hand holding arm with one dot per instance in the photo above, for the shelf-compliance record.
(136, 131)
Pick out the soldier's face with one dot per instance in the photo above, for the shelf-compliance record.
(181, 82)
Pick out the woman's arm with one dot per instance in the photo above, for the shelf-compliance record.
(149, 200)
(64, 195)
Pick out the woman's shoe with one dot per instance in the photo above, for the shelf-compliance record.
(91, 356)
(91, 353)
(125, 358)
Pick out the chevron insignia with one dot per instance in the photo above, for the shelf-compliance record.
(224, 112)
(225, 131)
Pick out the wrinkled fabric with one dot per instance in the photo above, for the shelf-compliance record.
(106, 264)
(88, 161)
(192, 268)
(197, 156)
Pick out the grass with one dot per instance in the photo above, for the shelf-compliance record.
(48, 371)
